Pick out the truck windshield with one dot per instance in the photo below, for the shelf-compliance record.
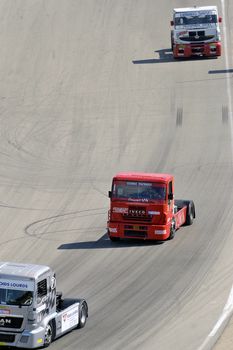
(183, 19)
(15, 297)
(137, 191)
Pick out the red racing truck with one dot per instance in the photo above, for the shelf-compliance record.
(142, 206)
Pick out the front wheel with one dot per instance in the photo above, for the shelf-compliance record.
(172, 41)
(83, 314)
(48, 336)
(172, 230)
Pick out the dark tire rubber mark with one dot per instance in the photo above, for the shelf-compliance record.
(225, 114)
(179, 116)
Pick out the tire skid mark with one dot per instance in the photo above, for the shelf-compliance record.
(41, 227)
(179, 116)
(225, 114)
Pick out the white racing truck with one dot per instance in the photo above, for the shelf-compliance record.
(196, 32)
(32, 313)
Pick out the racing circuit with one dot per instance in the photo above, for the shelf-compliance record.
(90, 88)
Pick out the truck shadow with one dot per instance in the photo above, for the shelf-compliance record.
(104, 243)
(164, 55)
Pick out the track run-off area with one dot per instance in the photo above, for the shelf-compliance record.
(89, 88)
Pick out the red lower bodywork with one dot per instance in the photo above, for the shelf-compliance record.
(143, 230)
(197, 49)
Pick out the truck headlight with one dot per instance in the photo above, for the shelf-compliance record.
(160, 232)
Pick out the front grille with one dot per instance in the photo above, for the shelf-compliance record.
(11, 322)
(198, 35)
(137, 213)
(139, 234)
(198, 49)
(132, 227)
(7, 338)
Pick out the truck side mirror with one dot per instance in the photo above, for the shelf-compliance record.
(172, 23)
(170, 196)
(110, 194)
(220, 19)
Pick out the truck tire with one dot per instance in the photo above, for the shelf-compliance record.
(172, 40)
(172, 230)
(48, 336)
(83, 314)
(190, 213)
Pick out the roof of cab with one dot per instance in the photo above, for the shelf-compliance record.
(22, 270)
(137, 176)
(195, 8)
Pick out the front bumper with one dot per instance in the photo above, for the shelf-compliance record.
(201, 49)
(27, 340)
(138, 231)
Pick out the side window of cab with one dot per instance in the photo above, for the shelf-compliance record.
(170, 191)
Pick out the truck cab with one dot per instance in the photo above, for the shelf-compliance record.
(32, 313)
(142, 206)
(196, 32)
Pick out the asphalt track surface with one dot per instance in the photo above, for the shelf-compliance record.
(89, 88)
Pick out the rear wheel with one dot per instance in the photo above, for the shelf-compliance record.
(189, 216)
(190, 212)
(83, 314)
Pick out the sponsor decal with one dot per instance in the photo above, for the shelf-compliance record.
(16, 284)
(69, 319)
(196, 26)
(196, 13)
(137, 212)
(4, 321)
(120, 210)
(4, 311)
(131, 183)
(145, 184)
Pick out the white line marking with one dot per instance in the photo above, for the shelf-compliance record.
(228, 308)
(226, 55)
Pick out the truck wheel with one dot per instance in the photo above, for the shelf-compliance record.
(172, 230)
(83, 314)
(189, 218)
(172, 41)
(48, 336)
(190, 213)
